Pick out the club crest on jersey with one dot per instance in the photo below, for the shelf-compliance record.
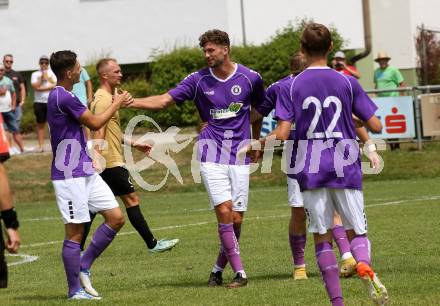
(229, 112)
(236, 90)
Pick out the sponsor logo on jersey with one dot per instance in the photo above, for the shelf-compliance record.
(229, 112)
(236, 90)
(209, 92)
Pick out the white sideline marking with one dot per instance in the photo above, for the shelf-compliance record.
(422, 199)
(25, 259)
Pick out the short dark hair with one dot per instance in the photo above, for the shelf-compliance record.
(103, 62)
(297, 63)
(316, 39)
(215, 36)
(60, 61)
(7, 55)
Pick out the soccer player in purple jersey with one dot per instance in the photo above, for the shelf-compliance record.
(321, 102)
(297, 223)
(78, 188)
(224, 93)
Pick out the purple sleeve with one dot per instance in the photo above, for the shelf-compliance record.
(284, 106)
(257, 96)
(72, 106)
(185, 90)
(363, 107)
(270, 98)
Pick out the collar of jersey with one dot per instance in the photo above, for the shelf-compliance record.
(228, 78)
(321, 67)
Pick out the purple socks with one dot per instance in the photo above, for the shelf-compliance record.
(103, 237)
(328, 266)
(71, 254)
(222, 260)
(340, 237)
(297, 246)
(230, 246)
(360, 248)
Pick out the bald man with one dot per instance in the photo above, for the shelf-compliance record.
(114, 172)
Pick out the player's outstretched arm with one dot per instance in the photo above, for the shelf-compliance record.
(95, 122)
(153, 102)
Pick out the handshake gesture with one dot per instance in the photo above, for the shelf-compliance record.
(122, 98)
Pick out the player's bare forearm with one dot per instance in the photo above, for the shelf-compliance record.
(256, 128)
(22, 93)
(362, 133)
(255, 115)
(282, 131)
(153, 102)
(95, 122)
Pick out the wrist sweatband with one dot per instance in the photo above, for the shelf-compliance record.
(10, 218)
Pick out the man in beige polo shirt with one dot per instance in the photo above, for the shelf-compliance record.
(115, 174)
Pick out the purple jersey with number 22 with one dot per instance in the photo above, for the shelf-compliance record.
(321, 102)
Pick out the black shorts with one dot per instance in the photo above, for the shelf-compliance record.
(4, 157)
(118, 179)
(40, 111)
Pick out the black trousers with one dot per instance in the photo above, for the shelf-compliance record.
(3, 266)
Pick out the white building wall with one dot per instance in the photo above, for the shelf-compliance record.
(131, 30)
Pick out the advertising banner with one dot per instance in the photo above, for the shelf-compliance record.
(430, 114)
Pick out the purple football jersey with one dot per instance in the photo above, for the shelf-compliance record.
(325, 152)
(67, 136)
(271, 95)
(225, 105)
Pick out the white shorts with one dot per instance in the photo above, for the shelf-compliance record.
(294, 195)
(320, 205)
(225, 183)
(77, 196)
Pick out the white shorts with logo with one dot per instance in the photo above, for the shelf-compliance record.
(294, 195)
(225, 183)
(321, 203)
(77, 196)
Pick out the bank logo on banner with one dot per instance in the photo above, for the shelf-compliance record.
(397, 117)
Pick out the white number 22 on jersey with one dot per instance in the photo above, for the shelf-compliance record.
(329, 133)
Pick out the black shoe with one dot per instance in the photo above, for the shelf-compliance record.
(215, 279)
(238, 281)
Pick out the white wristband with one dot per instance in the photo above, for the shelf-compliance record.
(369, 148)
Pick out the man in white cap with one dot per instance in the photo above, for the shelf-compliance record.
(386, 76)
(340, 65)
(42, 81)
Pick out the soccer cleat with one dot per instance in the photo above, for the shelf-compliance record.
(238, 281)
(164, 245)
(215, 279)
(299, 273)
(348, 267)
(377, 291)
(82, 295)
(84, 278)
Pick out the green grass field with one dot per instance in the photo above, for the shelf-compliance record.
(404, 222)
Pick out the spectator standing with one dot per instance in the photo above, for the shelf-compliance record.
(42, 81)
(7, 107)
(387, 77)
(19, 85)
(340, 65)
(83, 89)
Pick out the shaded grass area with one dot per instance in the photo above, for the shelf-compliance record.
(30, 174)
